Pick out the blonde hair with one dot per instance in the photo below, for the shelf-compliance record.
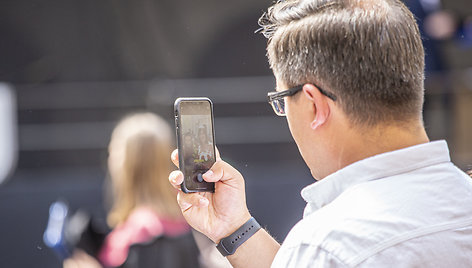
(139, 165)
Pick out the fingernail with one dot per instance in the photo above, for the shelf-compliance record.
(209, 173)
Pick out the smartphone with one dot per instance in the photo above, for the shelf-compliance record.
(195, 141)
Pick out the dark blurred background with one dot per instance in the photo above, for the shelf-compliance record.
(77, 67)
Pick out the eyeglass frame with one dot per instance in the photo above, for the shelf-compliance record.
(277, 95)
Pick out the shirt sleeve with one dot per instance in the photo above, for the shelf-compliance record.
(305, 256)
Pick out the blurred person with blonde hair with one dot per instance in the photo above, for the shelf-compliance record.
(137, 163)
(147, 225)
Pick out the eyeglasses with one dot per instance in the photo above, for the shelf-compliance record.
(277, 101)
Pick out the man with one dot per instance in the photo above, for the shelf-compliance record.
(350, 81)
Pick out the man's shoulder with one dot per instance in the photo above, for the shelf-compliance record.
(319, 229)
(374, 213)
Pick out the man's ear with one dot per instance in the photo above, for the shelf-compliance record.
(320, 104)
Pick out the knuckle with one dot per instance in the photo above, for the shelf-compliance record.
(173, 174)
(179, 198)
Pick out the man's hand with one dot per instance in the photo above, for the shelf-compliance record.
(217, 214)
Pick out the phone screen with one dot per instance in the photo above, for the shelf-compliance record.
(196, 142)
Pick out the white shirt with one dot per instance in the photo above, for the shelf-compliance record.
(407, 208)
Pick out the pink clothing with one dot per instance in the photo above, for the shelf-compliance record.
(142, 225)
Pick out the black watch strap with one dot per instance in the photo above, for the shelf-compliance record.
(228, 245)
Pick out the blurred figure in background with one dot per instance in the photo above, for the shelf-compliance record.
(439, 26)
(144, 207)
(435, 25)
(148, 227)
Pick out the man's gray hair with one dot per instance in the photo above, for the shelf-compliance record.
(367, 52)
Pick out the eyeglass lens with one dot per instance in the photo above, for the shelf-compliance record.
(279, 106)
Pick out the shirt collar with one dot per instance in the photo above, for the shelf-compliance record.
(379, 166)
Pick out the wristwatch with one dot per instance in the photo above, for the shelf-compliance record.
(228, 245)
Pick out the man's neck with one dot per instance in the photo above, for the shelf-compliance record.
(387, 138)
(357, 144)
